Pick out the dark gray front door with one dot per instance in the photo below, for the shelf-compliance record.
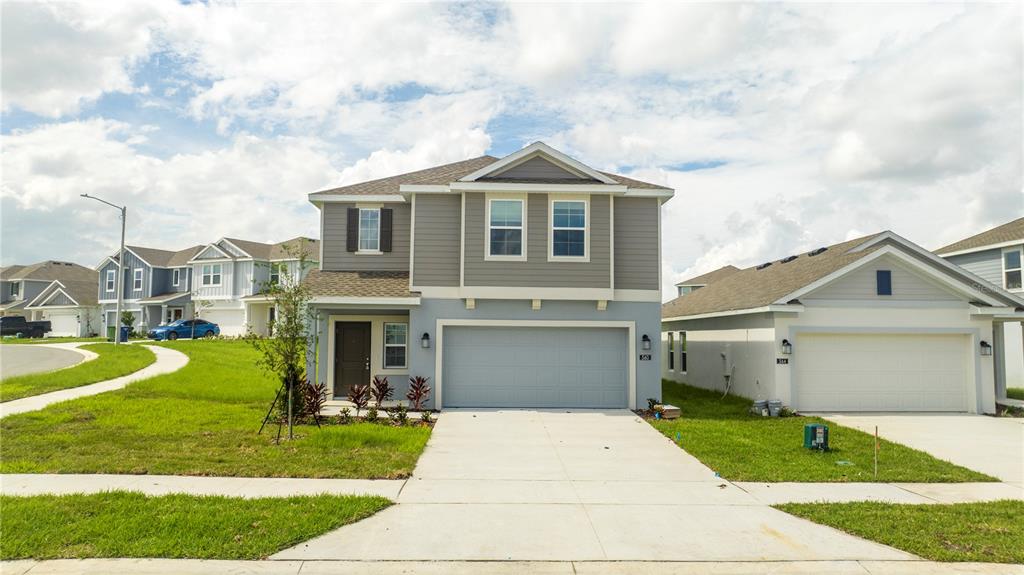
(351, 356)
(535, 367)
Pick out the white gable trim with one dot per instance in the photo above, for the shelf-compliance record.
(103, 263)
(228, 242)
(951, 283)
(534, 150)
(348, 198)
(141, 259)
(45, 292)
(197, 258)
(51, 290)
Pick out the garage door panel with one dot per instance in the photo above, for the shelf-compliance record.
(881, 372)
(535, 367)
(62, 324)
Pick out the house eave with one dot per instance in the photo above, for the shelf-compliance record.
(773, 308)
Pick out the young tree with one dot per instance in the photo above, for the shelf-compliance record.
(128, 320)
(199, 306)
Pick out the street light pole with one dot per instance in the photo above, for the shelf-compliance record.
(120, 267)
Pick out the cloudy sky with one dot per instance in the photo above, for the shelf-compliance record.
(782, 127)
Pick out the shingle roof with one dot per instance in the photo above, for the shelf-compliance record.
(152, 256)
(181, 258)
(49, 270)
(1007, 232)
(751, 287)
(290, 249)
(83, 292)
(448, 173)
(705, 279)
(358, 284)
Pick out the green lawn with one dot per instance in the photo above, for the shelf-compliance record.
(113, 361)
(1015, 392)
(121, 524)
(743, 447)
(991, 532)
(200, 420)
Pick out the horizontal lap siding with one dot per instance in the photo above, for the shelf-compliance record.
(537, 271)
(336, 258)
(861, 285)
(988, 265)
(436, 257)
(636, 243)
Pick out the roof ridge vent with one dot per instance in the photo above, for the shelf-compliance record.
(816, 252)
(787, 259)
(764, 265)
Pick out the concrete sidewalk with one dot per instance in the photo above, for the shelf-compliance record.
(199, 567)
(167, 361)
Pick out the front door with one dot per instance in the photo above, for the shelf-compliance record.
(351, 356)
(174, 314)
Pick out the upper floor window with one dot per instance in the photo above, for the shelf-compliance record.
(110, 280)
(276, 271)
(396, 338)
(883, 282)
(211, 275)
(15, 289)
(505, 229)
(569, 229)
(1011, 269)
(175, 277)
(369, 230)
(137, 280)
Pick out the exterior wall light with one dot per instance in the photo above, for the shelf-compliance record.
(986, 349)
(787, 348)
(425, 341)
(645, 343)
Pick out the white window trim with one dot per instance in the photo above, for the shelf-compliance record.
(111, 281)
(176, 277)
(137, 279)
(670, 357)
(203, 275)
(275, 269)
(359, 233)
(15, 289)
(522, 198)
(585, 258)
(680, 360)
(386, 345)
(1002, 266)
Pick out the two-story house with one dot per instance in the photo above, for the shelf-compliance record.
(531, 280)
(157, 286)
(996, 255)
(59, 292)
(230, 276)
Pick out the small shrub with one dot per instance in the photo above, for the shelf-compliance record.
(314, 396)
(360, 396)
(425, 416)
(400, 414)
(419, 392)
(381, 390)
(371, 414)
(345, 416)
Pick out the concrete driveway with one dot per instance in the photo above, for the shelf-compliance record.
(992, 445)
(22, 359)
(577, 485)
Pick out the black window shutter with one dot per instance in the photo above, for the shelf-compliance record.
(385, 230)
(352, 230)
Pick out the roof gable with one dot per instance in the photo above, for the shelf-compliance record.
(1010, 232)
(536, 155)
(212, 252)
(908, 282)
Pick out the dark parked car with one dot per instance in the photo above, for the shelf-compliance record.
(17, 324)
(185, 328)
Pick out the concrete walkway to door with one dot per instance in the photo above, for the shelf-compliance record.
(560, 485)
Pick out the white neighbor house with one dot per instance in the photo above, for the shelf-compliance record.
(872, 324)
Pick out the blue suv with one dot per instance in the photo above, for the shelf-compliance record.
(185, 328)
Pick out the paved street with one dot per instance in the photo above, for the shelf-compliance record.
(22, 359)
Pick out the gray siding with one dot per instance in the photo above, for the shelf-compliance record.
(60, 299)
(861, 285)
(436, 257)
(227, 279)
(636, 243)
(338, 259)
(161, 281)
(183, 281)
(131, 264)
(5, 292)
(987, 264)
(537, 271)
(537, 168)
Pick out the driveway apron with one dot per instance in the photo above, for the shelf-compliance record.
(576, 485)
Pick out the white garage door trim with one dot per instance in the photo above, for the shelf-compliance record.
(630, 326)
(973, 392)
(51, 315)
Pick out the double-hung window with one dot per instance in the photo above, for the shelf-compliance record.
(396, 341)
(275, 273)
(110, 280)
(15, 289)
(211, 275)
(682, 352)
(137, 280)
(671, 352)
(369, 229)
(569, 229)
(1011, 269)
(505, 228)
(175, 277)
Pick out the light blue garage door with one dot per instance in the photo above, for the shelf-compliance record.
(535, 367)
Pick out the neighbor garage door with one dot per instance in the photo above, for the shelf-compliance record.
(535, 367)
(63, 324)
(881, 372)
(230, 322)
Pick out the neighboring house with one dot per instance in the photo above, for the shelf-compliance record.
(70, 306)
(693, 284)
(231, 276)
(872, 324)
(21, 285)
(997, 256)
(527, 281)
(157, 286)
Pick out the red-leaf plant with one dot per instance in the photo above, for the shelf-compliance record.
(360, 396)
(381, 390)
(419, 392)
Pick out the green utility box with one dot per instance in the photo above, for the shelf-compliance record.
(816, 436)
(111, 332)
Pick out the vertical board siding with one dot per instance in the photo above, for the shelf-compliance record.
(60, 299)
(227, 278)
(987, 264)
(161, 279)
(636, 243)
(337, 258)
(436, 257)
(537, 271)
(860, 284)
